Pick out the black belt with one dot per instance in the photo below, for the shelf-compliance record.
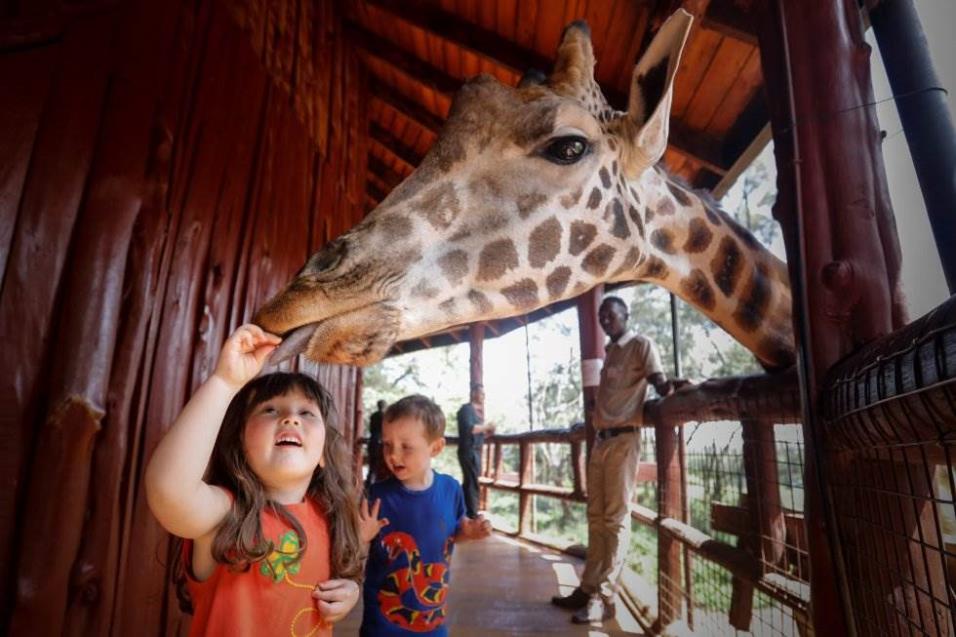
(610, 432)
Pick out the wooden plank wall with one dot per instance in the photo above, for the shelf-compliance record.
(166, 166)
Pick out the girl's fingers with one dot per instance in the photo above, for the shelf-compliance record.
(383, 523)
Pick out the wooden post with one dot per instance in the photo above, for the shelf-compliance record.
(592, 356)
(760, 469)
(669, 487)
(525, 477)
(843, 251)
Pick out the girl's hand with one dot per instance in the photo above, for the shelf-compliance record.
(244, 353)
(474, 528)
(369, 524)
(335, 598)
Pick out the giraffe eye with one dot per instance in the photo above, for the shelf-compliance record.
(566, 150)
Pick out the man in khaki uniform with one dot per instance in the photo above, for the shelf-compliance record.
(630, 365)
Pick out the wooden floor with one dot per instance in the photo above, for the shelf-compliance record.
(500, 587)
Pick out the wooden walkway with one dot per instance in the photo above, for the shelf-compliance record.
(501, 586)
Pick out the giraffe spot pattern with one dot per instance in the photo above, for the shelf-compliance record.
(480, 301)
(777, 349)
(530, 202)
(454, 265)
(544, 243)
(523, 294)
(697, 290)
(648, 214)
(682, 198)
(636, 218)
(665, 206)
(619, 228)
(557, 281)
(727, 265)
(663, 240)
(447, 306)
(699, 236)
(496, 258)
(605, 177)
(571, 199)
(597, 260)
(582, 234)
(755, 300)
(423, 290)
(655, 268)
(595, 199)
(440, 205)
(395, 226)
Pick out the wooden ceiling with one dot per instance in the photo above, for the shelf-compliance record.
(419, 52)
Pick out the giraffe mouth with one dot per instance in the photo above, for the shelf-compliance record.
(358, 337)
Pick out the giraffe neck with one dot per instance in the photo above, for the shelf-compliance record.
(702, 255)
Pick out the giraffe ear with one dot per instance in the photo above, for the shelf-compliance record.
(652, 86)
(573, 71)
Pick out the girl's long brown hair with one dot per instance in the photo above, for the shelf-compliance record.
(239, 541)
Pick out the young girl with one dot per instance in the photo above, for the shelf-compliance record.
(272, 544)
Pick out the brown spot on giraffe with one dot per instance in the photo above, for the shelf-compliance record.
(776, 348)
(648, 214)
(699, 236)
(663, 240)
(496, 258)
(557, 281)
(454, 265)
(440, 205)
(727, 265)
(679, 194)
(447, 306)
(697, 289)
(636, 218)
(396, 226)
(530, 202)
(619, 228)
(655, 268)
(597, 260)
(571, 199)
(595, 199)
(423, 290)
(665, 206)
(582, 234)
(523, 294)
(754, 301)
(605, 177)
(544, 243)
(480, 301)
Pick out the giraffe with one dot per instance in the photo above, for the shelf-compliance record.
(531, 195)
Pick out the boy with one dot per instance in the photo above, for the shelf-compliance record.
(423, 514)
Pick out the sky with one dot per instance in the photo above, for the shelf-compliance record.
(505, 362)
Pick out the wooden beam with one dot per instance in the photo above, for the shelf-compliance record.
(408, 108)
(399, 59)
(394, 146)
(699, 147)
(388, 176)
(374, 192)
(728, 18)
(486, 44)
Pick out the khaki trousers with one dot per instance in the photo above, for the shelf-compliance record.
(612, 476)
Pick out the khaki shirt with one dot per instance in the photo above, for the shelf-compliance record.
(623, 388)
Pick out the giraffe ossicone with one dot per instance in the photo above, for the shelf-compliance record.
(529, 196)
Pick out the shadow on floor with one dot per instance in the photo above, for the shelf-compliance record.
(501, 586)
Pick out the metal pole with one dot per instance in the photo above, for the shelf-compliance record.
(675, 337)
(921, 102)
(527, 353)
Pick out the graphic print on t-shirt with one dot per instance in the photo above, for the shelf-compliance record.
(418, 583)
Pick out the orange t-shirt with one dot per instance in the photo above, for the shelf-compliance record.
(273, 597)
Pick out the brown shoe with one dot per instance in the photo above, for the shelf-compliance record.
(576, 600)
(596, 612)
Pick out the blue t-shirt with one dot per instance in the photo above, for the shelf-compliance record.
(406, 578)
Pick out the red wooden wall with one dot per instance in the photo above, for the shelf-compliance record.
(164, 167)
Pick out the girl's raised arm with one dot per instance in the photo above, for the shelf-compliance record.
(184, 504)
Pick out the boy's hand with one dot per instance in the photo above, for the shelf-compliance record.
(474, 528)
(244, 353)
(335, 598)
(369, 524)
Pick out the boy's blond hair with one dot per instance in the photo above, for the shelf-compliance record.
(420, 408)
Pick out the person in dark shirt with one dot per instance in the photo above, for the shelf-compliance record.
(471, 431)
(376, 464)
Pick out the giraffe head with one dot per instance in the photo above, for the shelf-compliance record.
(532, 195)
